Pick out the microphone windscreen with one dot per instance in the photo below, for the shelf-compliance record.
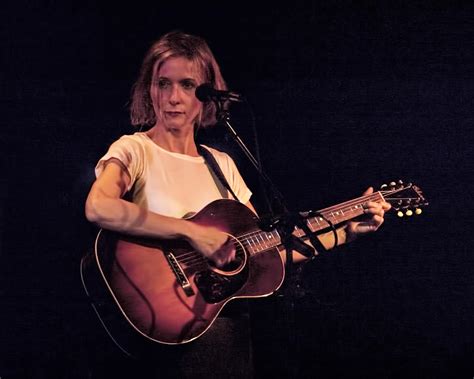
(204, 92)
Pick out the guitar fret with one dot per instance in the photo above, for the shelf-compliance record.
(259, 242)
(299, 232)
(263, 242)
(275, 238)
(267, 241)
(334, 216)
(254, 247)
(250, 246)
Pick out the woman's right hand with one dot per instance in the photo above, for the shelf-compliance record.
(212, 243)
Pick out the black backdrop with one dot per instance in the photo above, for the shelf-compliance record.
(343, 96)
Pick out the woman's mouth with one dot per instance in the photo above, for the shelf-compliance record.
(173, 113)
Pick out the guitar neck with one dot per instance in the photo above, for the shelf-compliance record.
(259, 241)
(340, 212)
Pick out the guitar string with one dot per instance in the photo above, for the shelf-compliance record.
(198, 261)
(193, 253)
(344, 208)
(259, 232)
(242, 238)
(245, 238)
(359, 200)
(238, 252)
(201, 259)
(373, 196)
(399, 198)
(369, 198)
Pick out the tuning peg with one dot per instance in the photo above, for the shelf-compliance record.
(393, 184)
(418, 211)
(383, 186)
(409, 213)
(400, 182)
(400, 214)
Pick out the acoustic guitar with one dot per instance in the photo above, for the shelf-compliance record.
(168, 293)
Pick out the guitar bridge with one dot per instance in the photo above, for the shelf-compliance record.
(180, 275)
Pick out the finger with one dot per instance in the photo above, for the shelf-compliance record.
(386, 206)
(219, 262)
(368, 191)
(377, 221)
(368, 226)
(227, 252)
(364, 227)
(374, 209)
(373, 204)
(230, 257)
(374, 212)
(224, 260)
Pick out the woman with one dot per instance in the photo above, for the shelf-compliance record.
(161, 169)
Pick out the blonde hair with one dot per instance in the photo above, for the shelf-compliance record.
(174, 44)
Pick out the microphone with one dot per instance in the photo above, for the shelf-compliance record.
(205, 92)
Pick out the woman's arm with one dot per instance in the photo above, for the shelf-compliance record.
(106, 208)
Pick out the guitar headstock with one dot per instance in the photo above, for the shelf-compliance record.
(406, 199)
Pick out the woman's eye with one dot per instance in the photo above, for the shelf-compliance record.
(163, 84)
(188, 85)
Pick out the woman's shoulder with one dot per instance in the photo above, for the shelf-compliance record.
(138, 140)
(218, 154)
(137, 137)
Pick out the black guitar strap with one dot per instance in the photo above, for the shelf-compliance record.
(212, 163)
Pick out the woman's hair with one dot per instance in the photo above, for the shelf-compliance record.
(174, 44)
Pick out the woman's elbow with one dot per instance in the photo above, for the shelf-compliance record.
(92, 209)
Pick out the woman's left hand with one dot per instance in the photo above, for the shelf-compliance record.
(375, 216)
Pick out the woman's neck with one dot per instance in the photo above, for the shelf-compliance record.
(175, 140)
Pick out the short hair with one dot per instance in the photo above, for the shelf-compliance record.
(174, 44)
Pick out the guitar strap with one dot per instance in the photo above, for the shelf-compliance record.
(212, 163)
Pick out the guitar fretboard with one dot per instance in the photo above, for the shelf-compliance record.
(259, 241)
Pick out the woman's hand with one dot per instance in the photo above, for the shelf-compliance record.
(374, 212)
(212, 243)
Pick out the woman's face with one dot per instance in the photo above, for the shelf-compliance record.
(172, 93)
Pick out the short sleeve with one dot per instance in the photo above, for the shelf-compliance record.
(129, 152)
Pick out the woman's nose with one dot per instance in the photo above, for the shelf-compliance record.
(174, 95)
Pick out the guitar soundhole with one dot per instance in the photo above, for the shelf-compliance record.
(237, 264)
(219, 283)
(230, 267)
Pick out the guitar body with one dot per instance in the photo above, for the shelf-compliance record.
(167, 292)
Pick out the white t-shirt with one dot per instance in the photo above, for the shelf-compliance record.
(172, 184)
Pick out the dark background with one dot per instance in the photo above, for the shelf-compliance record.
(344, 97)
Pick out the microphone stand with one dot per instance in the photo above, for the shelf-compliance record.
(285, 222)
